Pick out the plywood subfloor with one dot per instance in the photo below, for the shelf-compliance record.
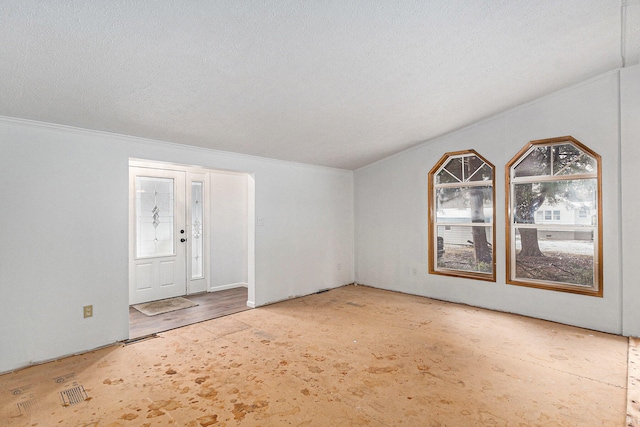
(633, 384)
(354, 356)
(210, 306)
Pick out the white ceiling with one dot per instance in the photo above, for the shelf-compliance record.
(326, 82)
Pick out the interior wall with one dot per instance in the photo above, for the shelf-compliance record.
(630, 196)
(63, 225)
(228, 230)
(392, 217)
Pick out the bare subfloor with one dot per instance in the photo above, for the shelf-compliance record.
(348, 357)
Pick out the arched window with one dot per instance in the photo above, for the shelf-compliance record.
(462, 216)
(554, 231)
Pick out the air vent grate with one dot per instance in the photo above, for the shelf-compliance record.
(26, 406)
(73, 396)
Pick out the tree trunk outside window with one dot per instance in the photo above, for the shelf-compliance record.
(481, 247)
(527, 202)
(480, 244)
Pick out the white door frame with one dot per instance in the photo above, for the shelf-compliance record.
(202, 174)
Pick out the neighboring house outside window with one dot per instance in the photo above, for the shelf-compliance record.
(462, 216)
(554, 232)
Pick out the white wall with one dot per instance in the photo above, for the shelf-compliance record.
(630, 190)
(63, 222)
(392, 222)
(228, 230)
(63, 233)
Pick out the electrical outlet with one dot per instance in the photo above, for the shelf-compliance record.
(88, 311)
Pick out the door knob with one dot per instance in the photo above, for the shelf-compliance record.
(181, 231)
(183, 240)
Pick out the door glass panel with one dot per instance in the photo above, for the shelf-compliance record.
(197, 246)
(154, 217)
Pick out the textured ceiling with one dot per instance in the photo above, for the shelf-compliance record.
(323, 82)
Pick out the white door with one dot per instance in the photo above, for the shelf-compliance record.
(157, 234)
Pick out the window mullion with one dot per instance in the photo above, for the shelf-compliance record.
(548, 178)
(464, 185)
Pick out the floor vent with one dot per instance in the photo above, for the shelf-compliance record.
(26, 406)
(73, 396)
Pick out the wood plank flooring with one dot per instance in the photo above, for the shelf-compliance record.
(210, 306)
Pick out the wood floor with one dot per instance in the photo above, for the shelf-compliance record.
(210, 306)
(352, 356)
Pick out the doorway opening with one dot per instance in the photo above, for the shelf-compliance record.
(191, 236)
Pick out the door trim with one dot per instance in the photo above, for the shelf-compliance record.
(251, 216)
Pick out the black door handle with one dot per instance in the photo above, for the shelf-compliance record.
(183, 240)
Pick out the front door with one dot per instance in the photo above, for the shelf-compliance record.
(158, 234)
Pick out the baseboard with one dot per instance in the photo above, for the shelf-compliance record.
(229, 286)
(251, 304)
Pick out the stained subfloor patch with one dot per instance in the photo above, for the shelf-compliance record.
(633, 383)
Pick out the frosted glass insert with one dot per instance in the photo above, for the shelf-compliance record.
(154, 217)
(197, 246)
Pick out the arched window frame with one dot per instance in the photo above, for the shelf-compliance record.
(434, 223)
(596, 289)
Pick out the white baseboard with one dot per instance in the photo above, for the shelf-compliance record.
(229, 286)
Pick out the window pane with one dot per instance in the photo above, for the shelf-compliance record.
(464, 169)
(566, 198)
(154, 217)
(483, 173)
(537, 162)
(197, 246)
(456, 250)
(464, 204)
(563, 256)
(569, 160)
(454, 168)
(445, 177)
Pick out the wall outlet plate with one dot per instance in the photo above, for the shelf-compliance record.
(88, 311)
